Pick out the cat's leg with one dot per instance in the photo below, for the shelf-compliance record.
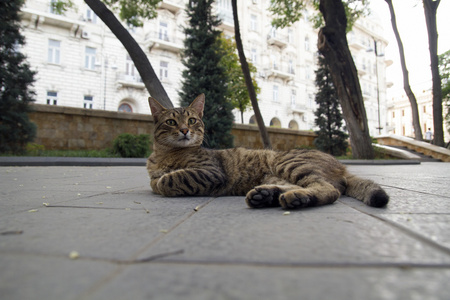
(313, 191)
(190, 182)
(267, 194)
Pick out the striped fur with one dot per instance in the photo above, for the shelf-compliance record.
(179, 166)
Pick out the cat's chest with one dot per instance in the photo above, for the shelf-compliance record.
(176, 162)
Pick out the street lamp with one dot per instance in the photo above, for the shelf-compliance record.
(104, 70)
(375, 51)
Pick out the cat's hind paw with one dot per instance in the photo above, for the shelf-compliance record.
(296, 199)
(263, 196)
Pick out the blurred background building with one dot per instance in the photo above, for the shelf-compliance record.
(80, 63)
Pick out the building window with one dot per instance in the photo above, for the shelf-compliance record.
(130, 69)
(275, 93)
(124, 107)
(393, 115)
(52, 98)
(163, 31)
(254, 22)
(310, 100)
(307, 73)
(291, 67)
(254, 56)
(307, 47)
(163, 70)
(54, 51)
(91, 16)
(293, 97)
(89, 59)
(275, 122)
(290, 36)
(88, 102)
(273, 32)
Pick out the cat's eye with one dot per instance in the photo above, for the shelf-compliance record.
(171, 122)
(192, 121)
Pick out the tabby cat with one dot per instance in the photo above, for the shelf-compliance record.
(179, 166)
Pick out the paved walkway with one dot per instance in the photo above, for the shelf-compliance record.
(102, 234)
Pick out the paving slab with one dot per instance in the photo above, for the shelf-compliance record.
(128, 243)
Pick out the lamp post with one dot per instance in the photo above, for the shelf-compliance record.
(105, 72)
(378, 87)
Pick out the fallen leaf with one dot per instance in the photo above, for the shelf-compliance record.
(33, 210)
(286, 213)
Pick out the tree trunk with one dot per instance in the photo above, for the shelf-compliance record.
(406, 85)
(151, 81)
(248, 80)
(332, 43)
(430, 8)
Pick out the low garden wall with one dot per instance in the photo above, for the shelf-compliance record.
(69, 128)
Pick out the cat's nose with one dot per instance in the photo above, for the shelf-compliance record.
(184, 131)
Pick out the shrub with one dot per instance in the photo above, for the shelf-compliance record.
(129, 145)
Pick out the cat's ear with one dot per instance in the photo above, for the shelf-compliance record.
(156, 108)
(198, 104)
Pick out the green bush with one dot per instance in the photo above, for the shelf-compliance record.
(129, 145)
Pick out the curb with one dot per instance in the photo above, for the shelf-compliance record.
(31, 161)
(38, 161)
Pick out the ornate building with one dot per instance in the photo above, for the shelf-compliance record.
(80, 63)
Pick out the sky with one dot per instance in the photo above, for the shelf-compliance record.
(413, 32)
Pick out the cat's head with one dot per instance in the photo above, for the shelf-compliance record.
(178, 127)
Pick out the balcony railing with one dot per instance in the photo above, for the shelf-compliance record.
(162, 40)
(173, 6)
(277, 39)
(125, 80)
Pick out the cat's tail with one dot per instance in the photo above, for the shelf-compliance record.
(366, 191)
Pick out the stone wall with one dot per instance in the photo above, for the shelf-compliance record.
(64, 128)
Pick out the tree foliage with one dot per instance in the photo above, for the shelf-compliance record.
(16, 78)
(204, 73)
(237, 92)
(330, 137)
(287, 12)
(134, 11)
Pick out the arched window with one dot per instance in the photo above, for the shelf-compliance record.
(125, 107)
(293, 125)
(275, 123)
(252, 120)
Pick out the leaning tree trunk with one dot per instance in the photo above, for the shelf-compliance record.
(151, 81)
(406, 85)
(430, 8)
(248, 80)
(332, 43)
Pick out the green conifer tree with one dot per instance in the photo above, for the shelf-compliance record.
(204, 74)
(16, 130)
(330, 137)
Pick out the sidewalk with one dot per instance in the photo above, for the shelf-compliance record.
(102, 234)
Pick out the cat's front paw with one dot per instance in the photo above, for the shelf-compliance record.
(263, 196)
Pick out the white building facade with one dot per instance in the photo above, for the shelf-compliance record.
(80, 63)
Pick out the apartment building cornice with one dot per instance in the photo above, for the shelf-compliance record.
(37, 18)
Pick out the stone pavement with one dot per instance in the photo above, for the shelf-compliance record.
(102, 234)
